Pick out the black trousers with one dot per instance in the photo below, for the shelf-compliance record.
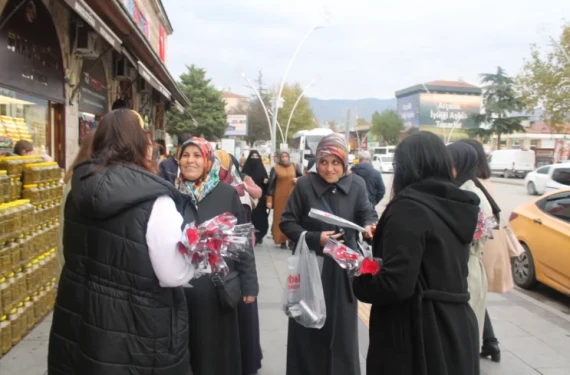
(488, 332)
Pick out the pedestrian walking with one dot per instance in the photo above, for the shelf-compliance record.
(214, 328)
(496, 258)
(282, 180)
(465, 164)
(255, 169)
(332, 350)
(420, 321)
(120, 307)
(372, 177)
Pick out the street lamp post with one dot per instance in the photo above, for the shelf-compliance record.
(262, 103)
(295, 107)
(278, 97)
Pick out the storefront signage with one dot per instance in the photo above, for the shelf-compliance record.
(30, 53)
(95, 22)
(93, 91)
(154, 82)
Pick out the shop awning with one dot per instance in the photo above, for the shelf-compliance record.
(89, 16)
(179, 107)
(116, 16)
(153, 81)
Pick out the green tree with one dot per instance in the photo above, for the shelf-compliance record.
(334, 126)
(545, 82)
(500, 101)
(388, 125)
(206, 116)
(258, 130)
(302, 117)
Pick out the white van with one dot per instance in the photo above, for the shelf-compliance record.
(509, 163)
(383, 163)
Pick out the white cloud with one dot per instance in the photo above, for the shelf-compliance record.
(370, 47)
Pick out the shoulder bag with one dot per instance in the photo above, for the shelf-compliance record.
(228, 289)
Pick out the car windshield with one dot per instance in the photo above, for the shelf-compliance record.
(386, 159)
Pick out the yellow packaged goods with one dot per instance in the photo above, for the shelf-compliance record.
(5, 261)
(37, 306)
(12, 164)
(12, 290)
(36, 282)
(22, 318)
(30, 320)
(4, 187)
(16, 327)
(2, 227)
(6, 296)
(20, 286)
(32, 193)
(30, 287)
(15, 255)
(15, 188)
(43, 270)
(5, 334)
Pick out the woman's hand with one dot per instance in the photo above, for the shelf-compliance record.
(248, 299)
(326, 235)
(369, 231)
(265, 180)
(295, 180)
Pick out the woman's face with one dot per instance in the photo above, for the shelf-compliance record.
(285, 158)
(192, 163)
(330, 168)
(255, 156)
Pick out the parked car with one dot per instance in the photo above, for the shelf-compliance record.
(509, 163)
(548, 178)
(383, 163)
(543, 228)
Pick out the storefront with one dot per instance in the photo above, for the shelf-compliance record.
(31, 79)
(94, 98)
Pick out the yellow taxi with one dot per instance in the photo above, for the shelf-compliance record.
(543, 228)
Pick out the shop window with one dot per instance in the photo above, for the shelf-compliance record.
(22, 117)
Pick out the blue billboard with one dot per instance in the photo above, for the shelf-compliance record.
(409, 110)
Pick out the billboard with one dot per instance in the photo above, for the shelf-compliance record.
(237, 125)
(448, 110)
(409, 110)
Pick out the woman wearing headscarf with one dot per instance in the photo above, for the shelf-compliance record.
(420, 321)
(332, 350)
(465, 164)
(255, 169)
(496, 258)
(214, 329)
(282, 180)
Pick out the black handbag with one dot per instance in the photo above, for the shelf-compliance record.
(228, 289)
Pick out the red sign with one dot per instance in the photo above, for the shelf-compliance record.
(162, 44)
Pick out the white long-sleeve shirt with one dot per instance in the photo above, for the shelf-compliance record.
(163, 233)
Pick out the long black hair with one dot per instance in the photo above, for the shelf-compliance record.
(483, 170)
(465, 162)
(418, 157)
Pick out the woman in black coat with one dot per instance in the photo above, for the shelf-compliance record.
(332, 350)
(214, 330)
(421, 322)
(255, 169)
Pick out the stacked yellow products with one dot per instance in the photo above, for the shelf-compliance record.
(31, 193)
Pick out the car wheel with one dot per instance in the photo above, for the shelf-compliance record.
(524, 274)
(531, 189)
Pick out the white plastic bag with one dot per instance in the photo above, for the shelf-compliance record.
(304, 299)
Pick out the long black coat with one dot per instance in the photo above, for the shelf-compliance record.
(332, 350)
(214, 331)
(421, 322)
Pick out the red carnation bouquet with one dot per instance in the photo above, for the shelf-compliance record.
(207, 244)
(355, 262)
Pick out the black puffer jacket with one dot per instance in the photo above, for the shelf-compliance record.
(111, 316)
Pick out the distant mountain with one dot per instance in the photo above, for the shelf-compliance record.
(335, 109)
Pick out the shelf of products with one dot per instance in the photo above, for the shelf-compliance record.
(31, 193)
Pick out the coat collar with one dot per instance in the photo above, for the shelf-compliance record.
(320, 186)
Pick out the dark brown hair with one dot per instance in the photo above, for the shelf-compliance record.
(483, 171)
(84, 153)
(23, 146)
(120, 138)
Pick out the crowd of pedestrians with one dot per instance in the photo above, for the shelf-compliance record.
(128, 302)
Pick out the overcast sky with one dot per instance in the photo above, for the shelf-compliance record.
(369, 49)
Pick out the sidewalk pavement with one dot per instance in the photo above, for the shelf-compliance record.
(534, 338)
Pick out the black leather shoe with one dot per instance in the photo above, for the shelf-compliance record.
(491, 349)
